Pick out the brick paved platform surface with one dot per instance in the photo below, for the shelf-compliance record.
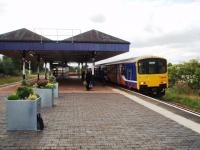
(99, 121)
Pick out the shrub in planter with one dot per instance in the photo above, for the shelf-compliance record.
(32, 83)
(24, 92)
(50, 86)
(45, 90)
(22, 108)
(24, 83)
(13, 97)
(52, 79)
(42, 83)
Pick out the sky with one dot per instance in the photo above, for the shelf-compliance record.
(166, 28)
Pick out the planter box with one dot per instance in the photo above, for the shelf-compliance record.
(56, 90)
(22, 114)
(47, 98)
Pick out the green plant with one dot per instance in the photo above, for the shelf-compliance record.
(13, 97)
(31, 83)
(25, 83)
(50, 86)
(42, 83)
(187, 72)
(24, 92)
(33, 97)
(52, 79)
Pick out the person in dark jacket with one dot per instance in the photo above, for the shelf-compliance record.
(83, 75)
(88, 79)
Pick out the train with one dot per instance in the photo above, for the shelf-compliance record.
(146, 74)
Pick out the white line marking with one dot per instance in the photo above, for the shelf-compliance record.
(179, 119)
(196, 114)
(123, 77)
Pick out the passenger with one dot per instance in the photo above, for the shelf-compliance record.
(83, 75)
(89, 79)
(103, 81)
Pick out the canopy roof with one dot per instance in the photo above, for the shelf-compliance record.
(79, 48)
(22, 35)
(94, 36)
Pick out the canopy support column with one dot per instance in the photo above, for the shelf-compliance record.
(79, 70)
(38, 67)
(29, 67)
(45, 64)
(23, 65)
(93, 64)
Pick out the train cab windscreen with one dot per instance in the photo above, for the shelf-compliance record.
(152, 66)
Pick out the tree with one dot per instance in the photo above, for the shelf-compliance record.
(188, 72)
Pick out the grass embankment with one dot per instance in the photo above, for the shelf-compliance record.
(12, 79)
(189, 99)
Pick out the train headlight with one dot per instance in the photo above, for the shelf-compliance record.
(163, 82)
(142, 83)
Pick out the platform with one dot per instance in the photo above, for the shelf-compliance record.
(99, 119)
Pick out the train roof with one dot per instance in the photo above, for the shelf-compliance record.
(130, 60)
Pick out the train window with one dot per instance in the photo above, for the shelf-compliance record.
(130, 74)
(142, 68)
(152, 66)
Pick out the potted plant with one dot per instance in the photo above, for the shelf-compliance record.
(22, 108)
(52, 80)
(45, 90)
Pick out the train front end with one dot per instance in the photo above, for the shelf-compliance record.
(152, 76)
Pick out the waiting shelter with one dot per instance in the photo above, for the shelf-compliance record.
(86, 47)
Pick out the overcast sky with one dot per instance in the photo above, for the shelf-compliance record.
(167, 28)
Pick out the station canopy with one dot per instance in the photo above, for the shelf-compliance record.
(89, 46)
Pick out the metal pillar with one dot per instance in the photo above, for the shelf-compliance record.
(29, 67)
(23, 65)
(62, 71)
(45, 64)
(38, 67)
(93, 64)
(79, 70)
(51, 67)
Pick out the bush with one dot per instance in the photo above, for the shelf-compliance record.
(25, 83)
(42, 83)
(188, 72)
(182, 87)
(24, 92)
(13, 97)
(32, 83)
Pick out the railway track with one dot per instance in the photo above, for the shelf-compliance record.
(185, 112)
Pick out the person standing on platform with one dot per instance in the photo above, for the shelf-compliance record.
(83, 75)
(89, 79)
